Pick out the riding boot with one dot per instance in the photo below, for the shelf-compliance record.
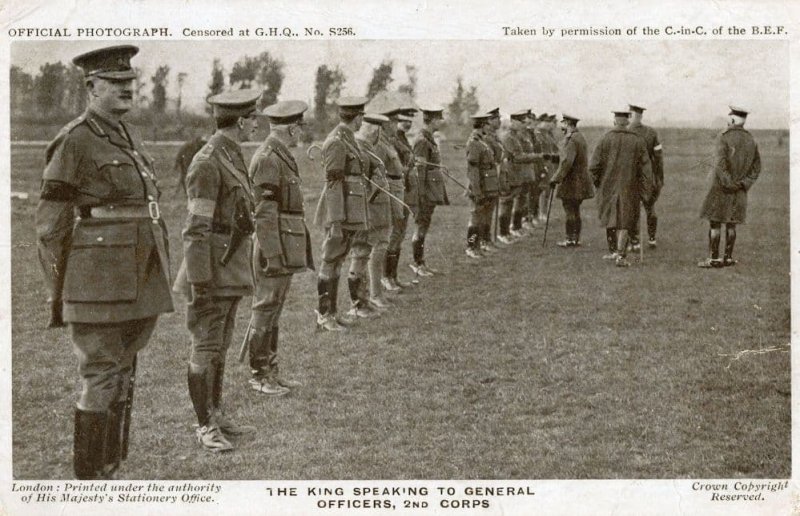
(417, 251)
(354, 286)
(324, 297)
(714, 237)
(113, 458)
(503, 223)
(730, 241)
(611, 239)
(89, 445)
(199, 391)
(652, 225)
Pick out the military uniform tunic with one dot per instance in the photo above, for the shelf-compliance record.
(343, 200)
(99, 230)
(117, 268)
(482, 177)
(410, 174)
(736, 167)
(218, 189)
(432, 190)
(216, 183)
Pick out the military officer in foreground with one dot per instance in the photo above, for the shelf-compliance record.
(342, 206)
(432, 191)
(735, 168)
(572, 179)
(103, 250)
(282, 244)
(620, 169)
(654, 149)
(483, 187)
(216, 271)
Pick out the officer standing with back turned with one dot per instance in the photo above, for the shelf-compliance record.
(103, 250)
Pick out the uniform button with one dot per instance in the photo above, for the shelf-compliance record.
(150, 198)
(135, 153)
(99, 239)
(115, 162)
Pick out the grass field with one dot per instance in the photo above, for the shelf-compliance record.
(534, 363)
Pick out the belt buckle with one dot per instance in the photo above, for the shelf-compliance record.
(152, 208)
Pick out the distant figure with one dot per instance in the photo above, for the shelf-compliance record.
(572, 179)
(184, 158)
(654, 150)
(736, 167)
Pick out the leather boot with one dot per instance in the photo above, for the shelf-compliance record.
(730, 241)
(199, 393)
(273, 363)
(228, 427)
(113, 452)
(89, 445)
(324, 297)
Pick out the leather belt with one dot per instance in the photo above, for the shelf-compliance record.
(150, 211)
(394, 177)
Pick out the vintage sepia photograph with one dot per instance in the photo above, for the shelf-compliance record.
(400, 259)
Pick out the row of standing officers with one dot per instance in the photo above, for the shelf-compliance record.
(104, 251)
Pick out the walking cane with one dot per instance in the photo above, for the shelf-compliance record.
(547, 221)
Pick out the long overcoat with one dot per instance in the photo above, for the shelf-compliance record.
(620, 169)
(735, 168)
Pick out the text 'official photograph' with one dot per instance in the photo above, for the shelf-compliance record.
(400, 259)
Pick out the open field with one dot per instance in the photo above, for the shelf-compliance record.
(534, 363)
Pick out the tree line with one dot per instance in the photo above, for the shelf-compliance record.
(56, 93)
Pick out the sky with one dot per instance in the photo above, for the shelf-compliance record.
(680, 82)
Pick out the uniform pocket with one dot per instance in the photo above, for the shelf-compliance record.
(102, 264)
(294, 201)
(355, 201)
(490, 181)
(121, 177)
(293, 239)
(435, 186)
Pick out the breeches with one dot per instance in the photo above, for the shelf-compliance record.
(424, 217)
(334, 251)
(268, 300)
(398, 233)
(105, 355)
(481, 212)
(210, 321)
(507, 201)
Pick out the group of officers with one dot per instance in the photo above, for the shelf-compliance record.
(104, 249)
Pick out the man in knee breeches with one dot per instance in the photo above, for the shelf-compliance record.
(217, 271)
(282, 243)
(342, 206)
